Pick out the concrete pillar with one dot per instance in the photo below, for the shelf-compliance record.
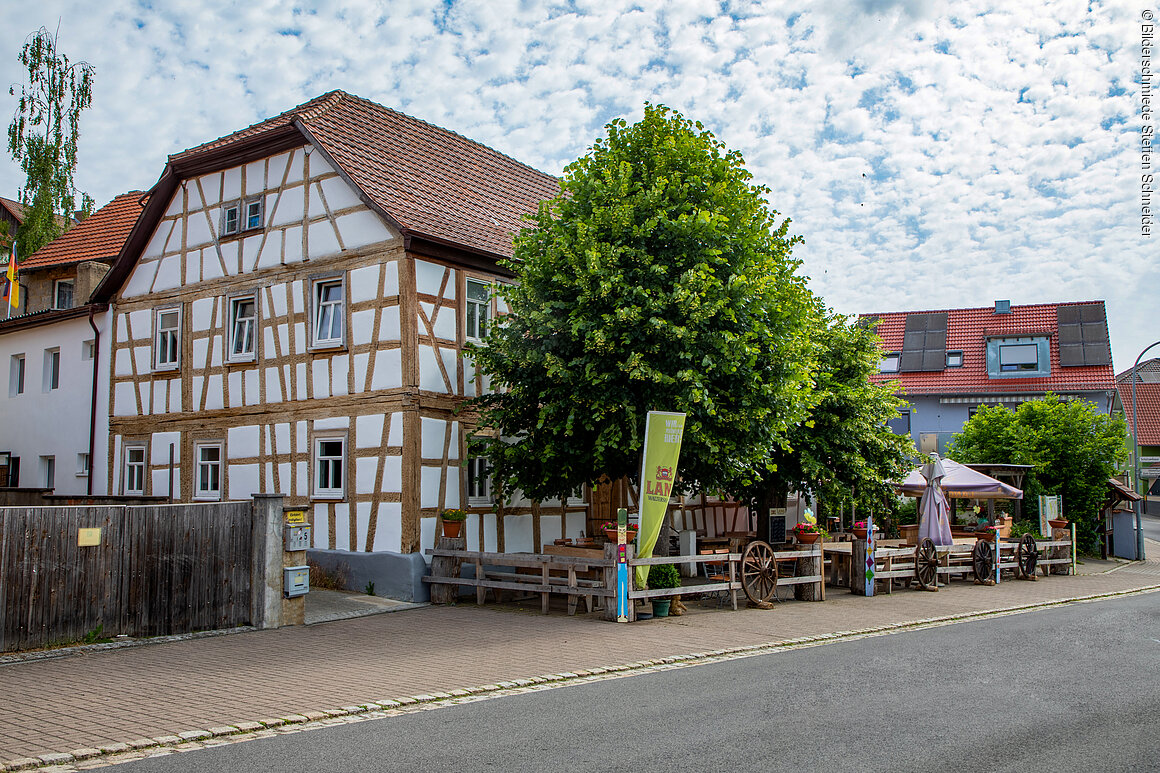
(266, 608)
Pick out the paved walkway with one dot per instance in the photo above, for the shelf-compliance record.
(91, 701)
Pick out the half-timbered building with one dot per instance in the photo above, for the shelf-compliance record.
(289, 315)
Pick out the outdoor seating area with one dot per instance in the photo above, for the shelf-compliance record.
(726, 563)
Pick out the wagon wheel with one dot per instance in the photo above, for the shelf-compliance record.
(983, 560)
(1027, 556)
(758, 572)
(926, 564)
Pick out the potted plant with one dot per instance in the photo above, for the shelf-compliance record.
(808, 533)
(453, 522)
(859, 529)
(663, 576)
(1057, 523)
(986, 533)
(610, 531)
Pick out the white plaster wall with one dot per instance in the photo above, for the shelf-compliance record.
(389, 527)
(551, 528)
(517, 532)
(56, 423)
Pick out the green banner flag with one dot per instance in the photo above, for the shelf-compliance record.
(662, 449)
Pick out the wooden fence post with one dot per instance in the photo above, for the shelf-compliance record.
(266, 609)
(446, 566)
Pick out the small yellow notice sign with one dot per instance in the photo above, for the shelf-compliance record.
(87, 538)
(296, 516)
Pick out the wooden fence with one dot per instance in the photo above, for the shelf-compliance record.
(153, 570)
(593, 579)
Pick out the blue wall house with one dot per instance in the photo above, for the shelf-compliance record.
(949, 362)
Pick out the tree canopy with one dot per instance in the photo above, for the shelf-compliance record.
(1073, 448)
(843, 449)
(43, 137)
(658, 279)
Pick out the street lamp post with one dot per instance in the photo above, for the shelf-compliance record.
(1136, 458)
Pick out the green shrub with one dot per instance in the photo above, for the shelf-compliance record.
(664, 576)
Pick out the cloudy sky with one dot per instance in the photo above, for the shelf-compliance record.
(932, 154)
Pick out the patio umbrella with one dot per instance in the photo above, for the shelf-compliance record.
(934, 513)
(959, 482)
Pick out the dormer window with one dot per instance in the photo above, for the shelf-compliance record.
(1023, 357)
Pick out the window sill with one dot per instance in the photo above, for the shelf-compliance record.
(322, 350)
(206, 498)
(247, 363)
(326, 497)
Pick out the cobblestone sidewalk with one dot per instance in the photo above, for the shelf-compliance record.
(94, 702)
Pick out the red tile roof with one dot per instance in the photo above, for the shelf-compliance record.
(968, 331)
(432, 182)
(1147, 402)
(14, 207)
(97, 237)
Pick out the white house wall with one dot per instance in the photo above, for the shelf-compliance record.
(42, 422)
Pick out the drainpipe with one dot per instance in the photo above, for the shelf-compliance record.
(1136, 467)
(93, 406)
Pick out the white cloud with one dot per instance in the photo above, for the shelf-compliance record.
(932, 154)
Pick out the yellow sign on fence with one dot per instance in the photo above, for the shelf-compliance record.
(87, 538)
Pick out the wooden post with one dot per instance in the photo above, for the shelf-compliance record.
(446, 566)
(610, 551)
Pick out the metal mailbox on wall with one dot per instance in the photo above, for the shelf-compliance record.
(295, 581)
(297, 538)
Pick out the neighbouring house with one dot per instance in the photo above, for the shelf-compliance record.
(948, 363)
(55, 427)
(11, 218)
(289, 316)
(1147, 413)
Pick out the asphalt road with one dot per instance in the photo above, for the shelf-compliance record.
(1073, 688)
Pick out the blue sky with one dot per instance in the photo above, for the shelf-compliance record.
(933, 155)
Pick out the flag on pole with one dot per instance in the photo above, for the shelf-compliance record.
(12, 289)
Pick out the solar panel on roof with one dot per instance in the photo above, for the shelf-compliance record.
(1083, 335)
(924, 342)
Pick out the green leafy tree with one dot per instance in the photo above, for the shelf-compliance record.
(658, 279)
(43, 137)
(843, 449)
(1073, 447)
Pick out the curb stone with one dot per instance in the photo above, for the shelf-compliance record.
(193, 739)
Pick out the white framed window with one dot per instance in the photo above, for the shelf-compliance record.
(231, 218)
(253, 214)
(16, 375)
(329, 312)
(478, 481)
(478, 310)
(208, 483)
(1016, 357)
(134, 481)
(243, 328)
(48, 471)
(889, 363)
(329, 463)
(166, 338)
(51, 369)
(82, 465)
(62, 294)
